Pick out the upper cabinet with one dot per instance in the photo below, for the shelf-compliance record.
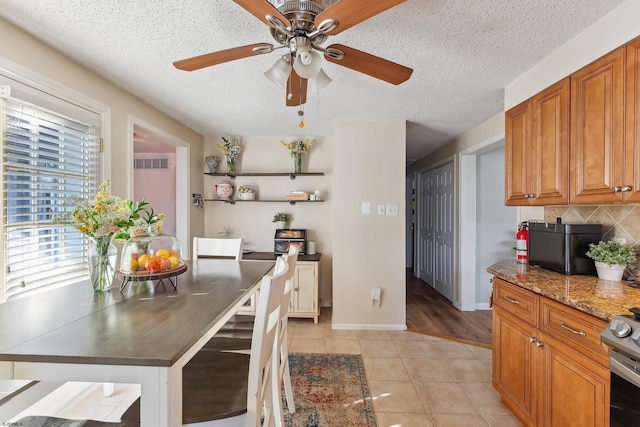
(632, 122)
(597, 131)
(578, 141)
(536, 149)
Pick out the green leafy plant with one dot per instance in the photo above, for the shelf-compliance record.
(280, 216)
(613, 252)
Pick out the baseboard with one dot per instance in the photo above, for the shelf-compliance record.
(483, 306)
(368, 327)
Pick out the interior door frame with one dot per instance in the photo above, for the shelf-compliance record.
(181, 196)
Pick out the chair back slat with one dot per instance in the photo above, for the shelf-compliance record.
(212, 247)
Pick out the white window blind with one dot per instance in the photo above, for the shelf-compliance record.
(46, 157)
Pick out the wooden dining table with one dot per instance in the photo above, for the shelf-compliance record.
(144, 335)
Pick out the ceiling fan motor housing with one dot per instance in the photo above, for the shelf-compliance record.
(301, 14)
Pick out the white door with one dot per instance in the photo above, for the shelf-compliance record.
(426, 226)
(443, 275)
(435, 229)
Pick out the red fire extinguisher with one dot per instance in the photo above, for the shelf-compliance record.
(522, 244)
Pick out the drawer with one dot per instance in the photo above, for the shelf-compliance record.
(518, 301)
(576, 329)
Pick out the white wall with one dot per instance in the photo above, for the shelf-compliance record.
(368, 250)
(495, 222)
(253, 220)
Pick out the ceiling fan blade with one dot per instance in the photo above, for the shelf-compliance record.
(297, 88)
(371, 65)
(351, 12)
(260, 9)
(214, 58)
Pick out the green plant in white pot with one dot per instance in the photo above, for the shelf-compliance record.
(611, 258)
(280, 219)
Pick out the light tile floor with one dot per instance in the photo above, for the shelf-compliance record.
(415, 380)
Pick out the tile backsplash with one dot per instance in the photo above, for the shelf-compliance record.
(617, 221)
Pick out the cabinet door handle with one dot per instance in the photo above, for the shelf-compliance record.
(532, 340)
(511, 300)
(622, 189)
(573, 331)
(532, 196)
(526, 196)
(539, 344)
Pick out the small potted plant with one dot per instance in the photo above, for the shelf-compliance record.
(280, 219)
(611, 258)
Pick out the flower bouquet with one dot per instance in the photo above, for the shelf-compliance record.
(297, 150)
(103, 219)
(231, 149)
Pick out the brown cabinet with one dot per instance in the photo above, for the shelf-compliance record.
(597, 131)
(536, 149)
(547, 362)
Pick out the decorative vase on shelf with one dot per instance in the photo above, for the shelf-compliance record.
(231, 164)
(212, 163)
(281, 225)
(297, 162)
(224, 190)
(101, 258)
(609, 272)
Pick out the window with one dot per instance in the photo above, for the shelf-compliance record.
(46, 157)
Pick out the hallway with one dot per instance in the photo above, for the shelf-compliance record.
(431, 313)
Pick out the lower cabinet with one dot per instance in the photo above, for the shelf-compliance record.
(305, 296)
(548, 380)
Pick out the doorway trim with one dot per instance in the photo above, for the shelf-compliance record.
(182, 201)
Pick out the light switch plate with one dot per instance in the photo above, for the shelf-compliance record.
(366, 208)
(392, 210)
(381, 210)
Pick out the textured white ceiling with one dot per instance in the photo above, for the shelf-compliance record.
(463, 52)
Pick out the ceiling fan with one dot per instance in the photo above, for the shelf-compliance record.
(302, 26)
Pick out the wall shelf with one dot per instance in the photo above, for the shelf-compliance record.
(291, 202)
(291, 175)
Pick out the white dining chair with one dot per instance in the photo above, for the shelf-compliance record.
(281, 360)
(259, 394)
(214, 247)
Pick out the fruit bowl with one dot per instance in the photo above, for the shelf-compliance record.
(151, 253)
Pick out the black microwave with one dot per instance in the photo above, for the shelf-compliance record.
(563, 247)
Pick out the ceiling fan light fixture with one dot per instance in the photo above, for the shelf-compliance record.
(307, 63)
(279, 72)
(319, 81)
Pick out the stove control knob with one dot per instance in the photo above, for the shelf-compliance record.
(620, 328)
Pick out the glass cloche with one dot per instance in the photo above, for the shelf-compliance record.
(151, 253)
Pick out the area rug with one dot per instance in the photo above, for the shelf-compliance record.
(329, 390)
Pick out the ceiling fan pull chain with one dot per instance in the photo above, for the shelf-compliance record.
(301, 114)
(301, 110)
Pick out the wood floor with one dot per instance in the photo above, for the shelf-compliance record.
(431, 313)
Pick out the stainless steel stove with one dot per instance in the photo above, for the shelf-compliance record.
(622, 335)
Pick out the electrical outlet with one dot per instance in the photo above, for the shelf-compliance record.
(392, 210)
(366, 208)
(381, 210)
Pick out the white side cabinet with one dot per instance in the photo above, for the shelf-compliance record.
(305, 300)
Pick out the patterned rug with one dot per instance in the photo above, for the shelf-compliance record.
(329, 390)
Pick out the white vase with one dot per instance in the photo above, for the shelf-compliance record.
(281, 225)
(609, 272)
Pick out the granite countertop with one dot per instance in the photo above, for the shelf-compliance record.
(601, 298)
